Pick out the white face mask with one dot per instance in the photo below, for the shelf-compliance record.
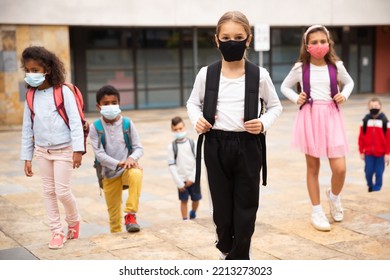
(110, 112)
(35, 79)
(180, 135)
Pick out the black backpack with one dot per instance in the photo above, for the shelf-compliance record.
(380, 117)
(252, 80)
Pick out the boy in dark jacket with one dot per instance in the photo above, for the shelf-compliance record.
(374, 144)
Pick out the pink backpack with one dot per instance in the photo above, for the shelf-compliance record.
(59, 103)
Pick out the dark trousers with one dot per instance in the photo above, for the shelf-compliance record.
(233, 161)
(375, 166)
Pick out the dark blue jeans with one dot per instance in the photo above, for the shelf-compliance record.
(374, 166)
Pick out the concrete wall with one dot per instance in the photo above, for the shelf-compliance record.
(193, 12)
(13, 40)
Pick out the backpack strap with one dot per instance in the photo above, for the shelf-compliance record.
(127, 133)
(175, 149)
(209, 109)
(333, 79)
(211, 91)
(384, 119)
(385, 122)
(306, 82)
(58, 96)
(252, 81)
(100, 131)
(30, 94)
(365, 122)
(381, 116)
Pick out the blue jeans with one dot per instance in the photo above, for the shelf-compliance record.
(374, 166)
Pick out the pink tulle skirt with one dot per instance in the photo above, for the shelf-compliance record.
(319, 130)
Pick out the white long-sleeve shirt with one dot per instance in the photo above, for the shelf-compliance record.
(183, 168)
(115, 148)
(49, 130)
(319, 82)
(231, 97)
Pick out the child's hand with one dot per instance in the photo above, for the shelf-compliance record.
(302, 98)
(183, 189)
(362, 156)
(339, 98)
(202, 125)
(77, 157)
(188, 183)
(131, 163)
(28, 168)
(254, 126)
(387, 159)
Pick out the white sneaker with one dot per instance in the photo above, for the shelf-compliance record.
(336, 208)
(320, 222)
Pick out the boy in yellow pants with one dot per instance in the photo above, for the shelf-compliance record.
(117, 149)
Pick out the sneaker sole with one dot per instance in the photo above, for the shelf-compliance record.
(57, 247)
(133, 229)
(320, 228)
(330, 207)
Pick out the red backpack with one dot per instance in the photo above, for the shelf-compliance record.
(59, 103)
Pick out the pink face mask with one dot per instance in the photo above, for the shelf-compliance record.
(318, 51)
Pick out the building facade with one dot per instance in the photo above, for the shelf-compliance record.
(152, 50)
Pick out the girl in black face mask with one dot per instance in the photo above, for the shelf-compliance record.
(232, 149)
(374, 144)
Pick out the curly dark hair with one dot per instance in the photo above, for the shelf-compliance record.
(49, 61)
(107, 90)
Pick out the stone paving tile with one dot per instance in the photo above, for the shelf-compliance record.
(153, 251)
(73, 249)
(7, 242)
(367, 248)
(125, 240)
(19, 253)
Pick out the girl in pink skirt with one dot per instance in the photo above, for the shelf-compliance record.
(323, 85)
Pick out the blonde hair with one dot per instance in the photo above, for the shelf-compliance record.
(304, 55)
(236, 17)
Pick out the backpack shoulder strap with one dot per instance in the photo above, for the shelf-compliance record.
(174, 148)
(252, 80)
(100, 131)
(58, 96)
(211, 91)
(365, 122)
(385, 122)
(333, 79)
(127, 133)
(30, 94)
(384, 119)
(306, 78)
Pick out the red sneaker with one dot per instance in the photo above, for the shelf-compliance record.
(57, 240)
(73, 232)
(131, 223)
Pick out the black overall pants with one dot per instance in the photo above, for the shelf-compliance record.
(233, 161)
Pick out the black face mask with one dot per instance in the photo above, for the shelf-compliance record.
(374, 112)
(232, 50)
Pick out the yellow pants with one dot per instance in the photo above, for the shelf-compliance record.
(112, 189)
